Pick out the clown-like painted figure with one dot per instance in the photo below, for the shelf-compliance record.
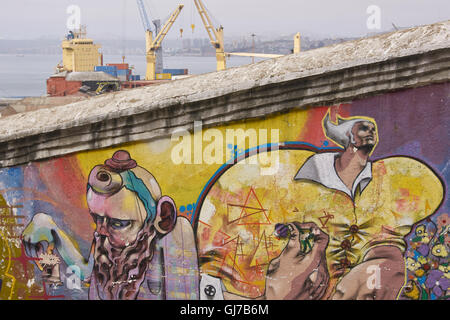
(137, 242)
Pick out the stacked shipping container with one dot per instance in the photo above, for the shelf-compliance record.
(111, 70)
(123, 72)
(118, 70)
(176, 72)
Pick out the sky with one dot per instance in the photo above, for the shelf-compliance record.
(119, 19)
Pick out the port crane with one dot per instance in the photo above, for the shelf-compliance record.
(153, 47)
(215, 35)
(216, 39)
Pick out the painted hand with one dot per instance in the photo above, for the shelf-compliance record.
(38, 233)
(379, 277)
(300, 272)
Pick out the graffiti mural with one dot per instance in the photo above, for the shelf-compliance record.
(365, 207)
(138, 238)
(332, 202)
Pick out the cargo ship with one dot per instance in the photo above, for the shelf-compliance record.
(83, 72)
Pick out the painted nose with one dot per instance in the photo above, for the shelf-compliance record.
(101, 228)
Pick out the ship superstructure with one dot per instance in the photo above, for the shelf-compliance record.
(80, 54)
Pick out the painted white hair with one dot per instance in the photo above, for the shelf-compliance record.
(341, 132)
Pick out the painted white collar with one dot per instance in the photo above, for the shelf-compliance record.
(320, 168)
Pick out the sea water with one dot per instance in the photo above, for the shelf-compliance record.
(26, 75)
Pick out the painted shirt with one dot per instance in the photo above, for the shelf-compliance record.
(320, 168)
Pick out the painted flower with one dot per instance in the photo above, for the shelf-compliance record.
(412, 290)
(421, 231)
(423, 234)
(439, 250)
(415, 245)
(426, 267)
(443, 220)
(410, 253)
(422, 260)
(412, 265)
(437, 282)
(419, 273)
(445, 269)
(434, 264)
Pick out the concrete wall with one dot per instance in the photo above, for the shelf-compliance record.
(14, 106)
(338, 155)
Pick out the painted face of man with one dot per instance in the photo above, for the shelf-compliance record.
(364, 135)
(119, 217)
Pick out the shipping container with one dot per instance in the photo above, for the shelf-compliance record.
(122, 72)
(163, 76)
(122, 77)
(106, 68)
(176, 72)
(135, 77)
(111, 70)
(120, 66)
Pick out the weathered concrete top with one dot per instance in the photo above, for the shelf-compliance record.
(90, 76)
(333, 74)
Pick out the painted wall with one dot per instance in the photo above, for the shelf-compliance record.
(233, 217)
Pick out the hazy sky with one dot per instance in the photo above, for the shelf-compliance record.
(30, 19)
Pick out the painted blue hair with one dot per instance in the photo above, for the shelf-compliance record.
(131, 182)
(135, 184)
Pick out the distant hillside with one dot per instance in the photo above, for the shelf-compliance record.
(173, 47)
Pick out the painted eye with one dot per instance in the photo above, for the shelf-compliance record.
(120, 224)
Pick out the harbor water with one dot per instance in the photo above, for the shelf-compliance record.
(25, 75)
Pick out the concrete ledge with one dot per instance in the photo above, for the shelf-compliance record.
(325, 76)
